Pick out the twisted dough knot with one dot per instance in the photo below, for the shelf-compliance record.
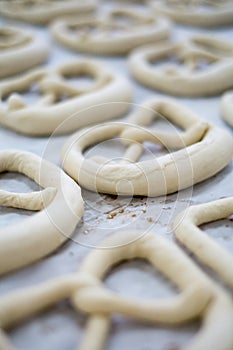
(198, 297)
(63, 106)
(189, 158)
(192, 76)
(36, 237)
(44, 11)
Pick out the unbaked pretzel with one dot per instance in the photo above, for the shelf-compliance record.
(192, 163)
(188, 79)
(20, 50)
(199, 297)
(51, 111)
(208, 251)
(227, 107)
(204, 13)
(60, 204)
(108, 34)
(44, 11)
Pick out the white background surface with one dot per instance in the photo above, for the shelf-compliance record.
(62, 327)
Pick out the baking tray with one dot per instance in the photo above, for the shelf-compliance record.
(61, 327)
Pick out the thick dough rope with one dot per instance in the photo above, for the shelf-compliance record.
(207, 250)
(51, 113)
(226, 108)
(204, 13)
(188, 78)
(198, 295)
(61, 208)
(20, 50)
(196, 147)
(44, 11)
(94, 34)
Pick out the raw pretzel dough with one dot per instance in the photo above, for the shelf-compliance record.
(192, 163)
(109, 34)
(208, 251)
(188, 79)
(199, 296)
(206, 13)
(227, 107)
(44, 11)
(20, 50)
(50, 113)
(60, 204)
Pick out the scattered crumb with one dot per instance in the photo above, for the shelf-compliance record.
(149, 219)
(110, 216)
(134, 215)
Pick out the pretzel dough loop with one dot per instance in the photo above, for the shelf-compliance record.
(190, 77)
(207, 250)
(44, 11)
(116, 32)
(199, 297)
(60, 205)
(226, 107)
(189, 164)
(20, 50)
(62, 106)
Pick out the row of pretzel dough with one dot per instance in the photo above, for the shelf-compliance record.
(200, 66)
(44, 11)
(190, 163)
(116, 31)
(202, 13)
(199, 296)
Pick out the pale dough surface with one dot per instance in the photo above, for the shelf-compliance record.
(189, 159)
(52, 113)
(226, 107)
(115, 32)
(20, 50)
(42, 12)
(211, 13)
(198, 296)
(199, 66)
(60, 207)
(60, 327)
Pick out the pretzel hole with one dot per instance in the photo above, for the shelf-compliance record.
(31, 95)
(172, 59)
(81, 80)
(165, 338)
(221, 231)
(112, 149)
(48, 330)
(28, 95)
(138, 279)
(16, 183)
